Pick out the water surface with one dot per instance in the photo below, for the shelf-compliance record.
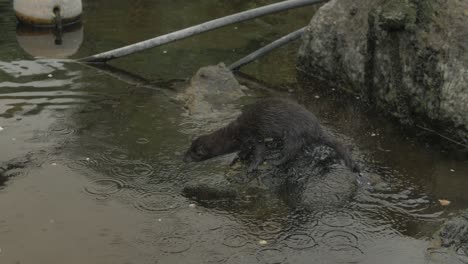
(103, 171)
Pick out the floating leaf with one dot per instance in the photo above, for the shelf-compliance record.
(444, 202)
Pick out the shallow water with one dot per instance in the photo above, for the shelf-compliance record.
(103, 170)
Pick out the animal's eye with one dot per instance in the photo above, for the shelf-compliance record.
(201, 152)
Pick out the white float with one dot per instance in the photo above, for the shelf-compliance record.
(41, 12)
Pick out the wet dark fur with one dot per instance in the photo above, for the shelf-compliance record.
(272, 118)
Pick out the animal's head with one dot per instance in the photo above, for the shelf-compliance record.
(209, 146)
(200, 149)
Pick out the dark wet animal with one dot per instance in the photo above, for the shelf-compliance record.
(266, 120)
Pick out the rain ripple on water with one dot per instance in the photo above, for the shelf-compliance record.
(104, 186)
(157, 202)
(339, 240)
(271, 256)
(299, 241)
(133, 169)
(337, 219)
(174, 244)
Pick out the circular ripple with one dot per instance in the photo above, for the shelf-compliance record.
(271, 256)
(142, 141)
(337, 219)
(61, 130)
(268, 229)
(272, 227)
(115, 156)
(235, 241)
(242, 258)
(133, 170)
(300, 241)
(340, 240)
(462, 254)
(81, 164)
(157, 202)
(174, 244)
(214, 257)
(104, 186)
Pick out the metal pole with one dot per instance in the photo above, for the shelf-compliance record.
(264, 50)
(197, 29)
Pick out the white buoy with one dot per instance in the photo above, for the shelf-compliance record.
(43, 12)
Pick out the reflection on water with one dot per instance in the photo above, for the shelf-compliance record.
(104, 169)
(48, 43)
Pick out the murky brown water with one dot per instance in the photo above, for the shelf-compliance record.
(103, 172)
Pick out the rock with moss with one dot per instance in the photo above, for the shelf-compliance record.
(315, 180)
(407, 57)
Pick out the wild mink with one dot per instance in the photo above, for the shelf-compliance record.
(272, 118)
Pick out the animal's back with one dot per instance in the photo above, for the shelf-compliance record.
(272, 117)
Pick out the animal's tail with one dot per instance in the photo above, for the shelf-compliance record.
(341, 151)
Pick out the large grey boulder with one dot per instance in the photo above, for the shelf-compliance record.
(407, 57)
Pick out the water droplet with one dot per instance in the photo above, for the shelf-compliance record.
(263, 242)
(1, 128)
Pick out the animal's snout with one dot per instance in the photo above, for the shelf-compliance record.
(187, 158)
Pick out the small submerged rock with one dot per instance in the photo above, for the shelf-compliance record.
(454, 232)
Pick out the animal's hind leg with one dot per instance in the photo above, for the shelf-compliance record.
(258, 156)
(291, 147)
(342, 152)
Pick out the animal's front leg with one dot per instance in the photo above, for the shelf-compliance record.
(258, 157)
(291, 147)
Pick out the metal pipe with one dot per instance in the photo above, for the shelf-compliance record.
(266, 49)
(197, 29)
